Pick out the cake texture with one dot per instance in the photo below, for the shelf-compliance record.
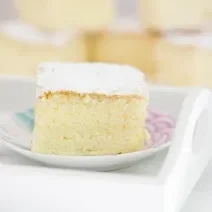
(23, 47)
(184, 59)
(89, 109)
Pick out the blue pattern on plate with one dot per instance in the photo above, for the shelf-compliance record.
(26, 119)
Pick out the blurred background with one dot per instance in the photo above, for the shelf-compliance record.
(169, 40)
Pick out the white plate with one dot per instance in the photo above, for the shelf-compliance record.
(96, 163)
(16, 134)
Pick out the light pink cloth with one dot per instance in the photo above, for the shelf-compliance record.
(160, 127)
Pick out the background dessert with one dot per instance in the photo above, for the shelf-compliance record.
(89, 109)
(184, 59)
(94, 15)
(161, 15)
(65, 14)
(132, 47)
(23, 47)
(114, 31)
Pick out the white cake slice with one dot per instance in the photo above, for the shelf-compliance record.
(90, 109)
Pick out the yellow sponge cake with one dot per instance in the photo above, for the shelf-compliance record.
(89, 109)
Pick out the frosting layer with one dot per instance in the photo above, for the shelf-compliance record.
(100, 78)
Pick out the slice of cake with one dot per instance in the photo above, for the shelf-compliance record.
(89, 109)
(184, 59)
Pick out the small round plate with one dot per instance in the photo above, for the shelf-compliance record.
(17, 131)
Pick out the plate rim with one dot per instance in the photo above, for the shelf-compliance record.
(153, 150)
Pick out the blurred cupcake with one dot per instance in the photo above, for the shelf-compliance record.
(125, 41)
(125, 47)
(63, 14)
(23, 47)
(161, 15)
(184, 59)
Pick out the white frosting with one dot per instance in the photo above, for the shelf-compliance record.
(197, 39)
(26, 33)
(109, 79)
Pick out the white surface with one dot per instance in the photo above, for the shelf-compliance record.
(23, 32)
(26, 193)
(109, 79)
(47, 191)
(111, 191)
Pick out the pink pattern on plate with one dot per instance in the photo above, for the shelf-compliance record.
(160, 126)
